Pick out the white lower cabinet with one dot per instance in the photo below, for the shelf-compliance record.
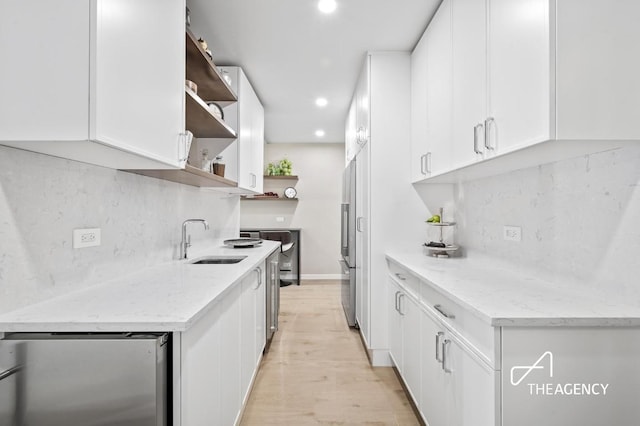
(449, 383)
(219, 356)
(474, 374)
(471, 386)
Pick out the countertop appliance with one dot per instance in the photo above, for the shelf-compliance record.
(84, 379)
(348, 243)
(273, 295)
(290, 255)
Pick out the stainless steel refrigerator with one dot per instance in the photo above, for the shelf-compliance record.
(84, 379)
(348, 243)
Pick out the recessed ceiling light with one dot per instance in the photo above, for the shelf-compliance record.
(327, 6)
(322, 102)
(319, 133)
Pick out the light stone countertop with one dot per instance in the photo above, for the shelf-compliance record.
(503, 295)
(166, 297)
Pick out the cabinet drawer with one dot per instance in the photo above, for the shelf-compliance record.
(480, 336)
(405, 278)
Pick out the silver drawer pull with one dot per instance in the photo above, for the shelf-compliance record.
(10, 372)
(445, 343)
(400, 276)
(438, 336)
(444, 314)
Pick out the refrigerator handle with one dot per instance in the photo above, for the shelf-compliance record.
(345, 227)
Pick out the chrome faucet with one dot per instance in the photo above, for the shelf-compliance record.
(186, 240)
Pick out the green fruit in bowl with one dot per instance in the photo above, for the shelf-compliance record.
(434, 219)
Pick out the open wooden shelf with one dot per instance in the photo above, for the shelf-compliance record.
(189, 176)
(202, 71)
(291, 177)
(201, 122)
(269, 199)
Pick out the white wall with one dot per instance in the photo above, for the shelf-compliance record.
(317, 213)
(42, 199)
(580, 219)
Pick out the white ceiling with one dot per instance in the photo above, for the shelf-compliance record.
(292, 53)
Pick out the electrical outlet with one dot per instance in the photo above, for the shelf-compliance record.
(279, 219)
(88, 237)
(512, 233)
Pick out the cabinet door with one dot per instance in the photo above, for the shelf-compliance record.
(439, 91)
(419, 95)
(261, 311)
(248, 331)
(363, 105)
(363, 291)
(137, 94)
(469, 80)
(395, 324)
(350, 133)
(200, 369)
(250, 142)
(48, 87)
(257, 133)
(230, 360)
(432, 400)
(471, 386)
(411, 335)
(519, 52)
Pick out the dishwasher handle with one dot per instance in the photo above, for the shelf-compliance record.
(10, 372)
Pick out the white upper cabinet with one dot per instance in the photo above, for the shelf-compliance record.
(243, 159)
(98, 81)
(519, 71)
(363, 105)
(431, 91)
(530, 74)
(358, 127)
(469, 80)
(350, 133)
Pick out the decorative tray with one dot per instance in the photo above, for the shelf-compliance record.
(243, 242)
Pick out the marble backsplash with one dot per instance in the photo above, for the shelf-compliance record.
(580, 219)
(43, 198)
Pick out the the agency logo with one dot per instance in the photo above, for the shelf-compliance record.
(519, 373)
(529, 368)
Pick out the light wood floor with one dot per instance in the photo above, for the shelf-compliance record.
(317, 372)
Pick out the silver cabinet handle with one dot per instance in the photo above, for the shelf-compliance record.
(361, 135)
(258, 270)
(400, 276)
(400, 303)
(274, 305)
(274, 265)
(487, 133)
(445, 343)
(444, 314)
(397, 293)
(254, 180)
(438, 337)
(475, 138)
(359, 223)
(10, 372)
(425, 163)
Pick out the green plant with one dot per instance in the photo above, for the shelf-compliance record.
(280, 168)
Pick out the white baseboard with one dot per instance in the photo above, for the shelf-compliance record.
(321, 276)
(380, 358)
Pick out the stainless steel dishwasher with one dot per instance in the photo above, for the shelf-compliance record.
(84, 379)
(273, 295)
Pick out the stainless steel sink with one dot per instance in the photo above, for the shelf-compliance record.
(217, 260)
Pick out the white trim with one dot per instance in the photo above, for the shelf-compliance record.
(321, 276)
(380, 358)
